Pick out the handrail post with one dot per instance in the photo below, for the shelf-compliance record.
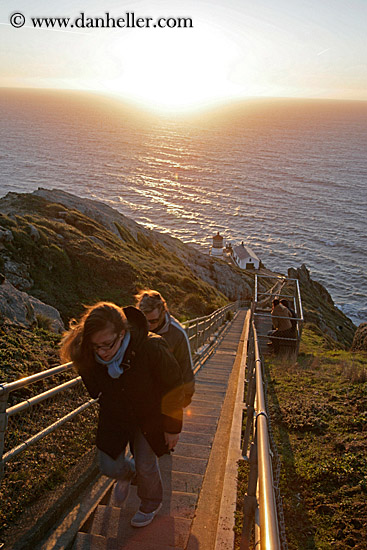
(299, 314)
(3, 425)
(250, 415)
(250, 400)
(249, 502)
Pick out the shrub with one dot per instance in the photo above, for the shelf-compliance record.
(43, 322)
(195, 304)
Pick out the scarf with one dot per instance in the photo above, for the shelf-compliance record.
(114, 365)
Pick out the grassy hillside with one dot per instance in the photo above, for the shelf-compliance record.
(70, 251)
(75, 260)
(23, 352)
(318, 411)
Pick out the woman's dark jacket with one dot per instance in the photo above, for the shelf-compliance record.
(149, 393)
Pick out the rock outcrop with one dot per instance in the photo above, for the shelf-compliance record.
(17, 274)
(97, 210)
(19, 309)
(320, 309)
(360, 338)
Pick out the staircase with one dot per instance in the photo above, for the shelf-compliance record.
(182, 472)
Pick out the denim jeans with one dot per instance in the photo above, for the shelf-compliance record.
(144, 463)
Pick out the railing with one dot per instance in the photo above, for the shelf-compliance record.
(262, 503)
(20, 437)
(25, 406)
(284, 288)
(259, 503)
(201, 330)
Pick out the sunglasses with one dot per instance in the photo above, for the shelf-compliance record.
(107, 347)
(153, 321)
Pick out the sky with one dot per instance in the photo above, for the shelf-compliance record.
(235, 49)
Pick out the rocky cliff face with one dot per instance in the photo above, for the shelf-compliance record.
(360, 338)
(320, 309)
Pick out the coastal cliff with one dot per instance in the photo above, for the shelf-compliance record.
(68, 251)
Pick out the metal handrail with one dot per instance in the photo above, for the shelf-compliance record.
(277, 316)
(281, 278)
(297, 305)
(299, 301)
(261, 473)
(22, 382)
(269, 532)
(40, 435)
(24, 405)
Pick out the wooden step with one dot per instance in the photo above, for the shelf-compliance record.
(171, 527)
(86, 541)
(196, 437)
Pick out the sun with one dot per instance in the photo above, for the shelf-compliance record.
(173, 68)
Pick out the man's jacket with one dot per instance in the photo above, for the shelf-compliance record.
(175, 335)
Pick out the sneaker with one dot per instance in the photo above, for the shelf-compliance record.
(121, 491)
(141, 519)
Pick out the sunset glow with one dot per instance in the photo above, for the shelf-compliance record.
(187, 73)
(231, 51)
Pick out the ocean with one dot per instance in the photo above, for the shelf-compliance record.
(287, 177)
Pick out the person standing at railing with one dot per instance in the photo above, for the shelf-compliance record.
(139, 386)
(285, 303)
(282, 325)
(161, 322)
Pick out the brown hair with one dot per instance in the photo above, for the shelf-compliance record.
(75, 344)
(148, 300)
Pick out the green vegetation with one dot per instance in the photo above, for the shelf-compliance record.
(319, 419)
(75, 260)
(319, 309)
(23, 352)
(43, 467)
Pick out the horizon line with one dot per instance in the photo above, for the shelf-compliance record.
(181, 110)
